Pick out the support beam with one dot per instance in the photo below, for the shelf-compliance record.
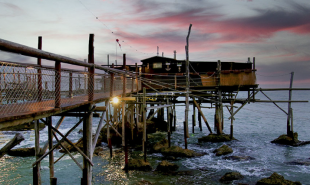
(204, 118)
(37, 173)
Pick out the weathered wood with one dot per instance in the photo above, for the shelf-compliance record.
(50, 144)
(11, 144)
(37, 149)
(47, 142)
(144, 123)
(87, 147)
(288, 129)
(99, 127)
(57, 84)
(91, 70)
(201, 113)
(39, 71)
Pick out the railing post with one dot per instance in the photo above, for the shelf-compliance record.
(70, 85)
(57, 83)
(39, 71)
(91, 70)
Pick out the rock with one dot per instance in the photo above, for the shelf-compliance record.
(239, 158)
(166, 166)
(157, 147)
(223, 150)
(176, 151)
(276, 179)
(305, 162)
(23, 127)
(215, 138)
(22, 152)
(230, 176)
(288, 140)
(139, 164)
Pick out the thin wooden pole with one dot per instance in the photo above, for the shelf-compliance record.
(231, 120)
(289, 106)
(144, 123)
(199, 117)
(193, 117)
(187, 88)
(70, 85)
(169, 123)
(292, 125)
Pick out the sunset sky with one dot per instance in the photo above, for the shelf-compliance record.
(276, 32)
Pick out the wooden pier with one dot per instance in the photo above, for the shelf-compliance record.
(35, 92)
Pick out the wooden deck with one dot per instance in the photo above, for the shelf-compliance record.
(37, 110)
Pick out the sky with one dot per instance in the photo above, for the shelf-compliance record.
(275, 32)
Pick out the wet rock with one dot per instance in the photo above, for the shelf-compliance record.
(157, 147)
(215, 138)
(239, 158)
(288, 140)
(230, 176)
(276, 179)
(176, 151)
(305, 162)
(139, 164)
(23, 127)
(166, 166)
(22, 152)
(223, 150)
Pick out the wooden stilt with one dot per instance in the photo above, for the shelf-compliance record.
(144, 123)
(169, 124)
(204, 118)
(50, 144)
(174, 117)
(193, 118)
(199, 117)
(37, 151)
(289, 106)
(231, 120)
(87, 146)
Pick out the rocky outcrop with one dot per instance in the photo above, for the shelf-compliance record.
(223, 150)
(176, 151)
(139, 164)
(305, 162)
(22, 152)
(288, 140)
(276, 179)
(157, 147)
(166, 166)
(230, 176)
(215, 138)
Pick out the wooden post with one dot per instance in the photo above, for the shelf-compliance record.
(193, 118)
(37, 152)
(50, 144)
(70, 85)
(144, 123)
(231, 120)
(91, 70)
(57, 84)
(87, 145)
(174, 117)
(169, 123)
(292, 125)
(219, 107)
(39, 71)
(199, 117)
(289, 106)
(187, 88)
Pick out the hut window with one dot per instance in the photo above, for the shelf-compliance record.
(157, 65)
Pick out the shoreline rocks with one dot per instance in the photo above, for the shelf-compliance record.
(215, 138)
(290, 141)
(223, 150)
(239, 158)
(139, 164)
(166, 166)
(176, 151)
(230, 176)
(275, 178)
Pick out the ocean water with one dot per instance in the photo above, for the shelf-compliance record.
(255, 125)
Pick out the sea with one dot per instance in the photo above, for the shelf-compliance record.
(255, 125)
